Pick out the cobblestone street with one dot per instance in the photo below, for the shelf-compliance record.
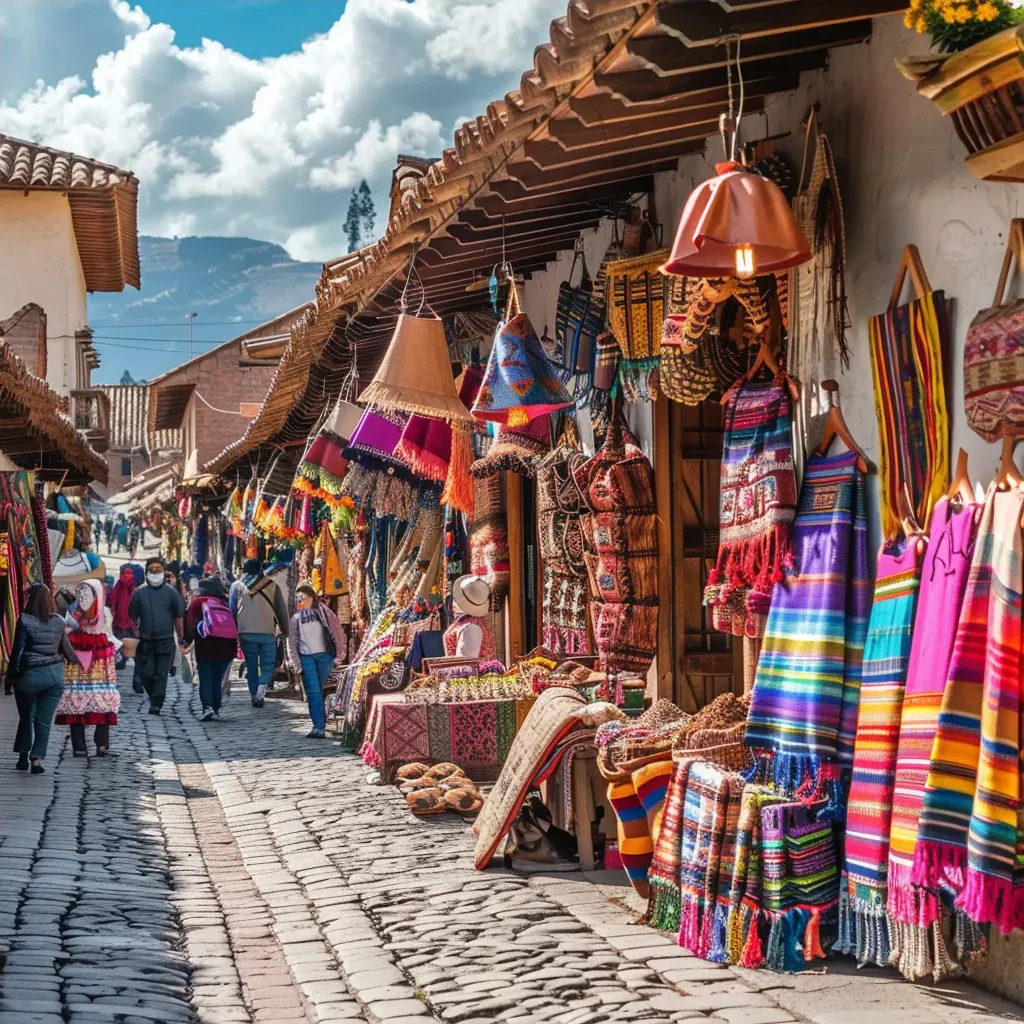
(235, 872)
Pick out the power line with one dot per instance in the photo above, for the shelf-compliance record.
(163, 324)
(160, 341)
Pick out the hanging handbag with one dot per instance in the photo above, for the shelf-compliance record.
(578, 321)
(994, 356)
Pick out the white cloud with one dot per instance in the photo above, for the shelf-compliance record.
(224, 144)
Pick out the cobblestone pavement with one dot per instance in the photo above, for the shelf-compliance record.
(237, 872)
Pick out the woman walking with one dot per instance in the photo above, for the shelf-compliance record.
(90, 694)
(209, 624)
(316, 644)
(37, 667)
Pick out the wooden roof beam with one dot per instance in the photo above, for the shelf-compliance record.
(619, 165)
(706, 24)
(510, 196)
(551, 156)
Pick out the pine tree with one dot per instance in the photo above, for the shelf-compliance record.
(367, 214)
(353, 228)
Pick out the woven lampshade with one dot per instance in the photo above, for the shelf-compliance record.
(733, 210)
(416, 374)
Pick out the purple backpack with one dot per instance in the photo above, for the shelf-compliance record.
(217, 621)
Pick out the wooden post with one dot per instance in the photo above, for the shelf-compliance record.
(516, 552)
(667, 654)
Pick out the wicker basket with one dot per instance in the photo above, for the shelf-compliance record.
(981, 90)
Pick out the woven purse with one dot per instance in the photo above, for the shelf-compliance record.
(994, 356)
(579, 319)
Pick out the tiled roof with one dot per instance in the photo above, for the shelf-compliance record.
(129, 416)
(104, 206)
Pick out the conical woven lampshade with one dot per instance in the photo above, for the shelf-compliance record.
(416, 374)
(736, 209)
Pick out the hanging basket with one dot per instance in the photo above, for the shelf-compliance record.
(981, 89)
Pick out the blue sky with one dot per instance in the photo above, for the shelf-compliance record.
(256, 28)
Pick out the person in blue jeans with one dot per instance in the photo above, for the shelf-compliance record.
(316, 644)
(214, 654)
(259, 609)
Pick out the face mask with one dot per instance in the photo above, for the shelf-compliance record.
(86, 598)
(155, 579)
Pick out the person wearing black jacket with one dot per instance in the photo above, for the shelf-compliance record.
(37, 667)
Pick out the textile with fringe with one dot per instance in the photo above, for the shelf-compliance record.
(757, 506)
(914, 912)
(862, 929)
(970, 832)
(803, 711)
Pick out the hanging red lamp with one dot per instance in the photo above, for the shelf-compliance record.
(737, 224)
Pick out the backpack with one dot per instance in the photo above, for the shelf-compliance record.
(217, 621)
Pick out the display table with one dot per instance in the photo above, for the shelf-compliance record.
(475, 735)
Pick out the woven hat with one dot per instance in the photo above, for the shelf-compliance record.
(416, 374)
(375, 439)
(516, 449)
(471, 595)
(520, 384)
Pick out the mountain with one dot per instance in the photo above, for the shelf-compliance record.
(233, 284)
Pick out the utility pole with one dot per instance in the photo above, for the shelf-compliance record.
(191, 318)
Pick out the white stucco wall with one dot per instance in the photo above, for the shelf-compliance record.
(903, 180)
(39, 263)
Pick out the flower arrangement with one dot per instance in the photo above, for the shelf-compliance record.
(957, 24)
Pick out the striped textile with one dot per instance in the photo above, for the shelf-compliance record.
(704, 812)
(801, 882)
(715, 923)
(914, 912)
(663, 875)
(806, 691)
(744, 933)
(969, 833)
(635, 846)
(907, 346)
(862, 925)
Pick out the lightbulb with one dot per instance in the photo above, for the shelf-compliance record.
(745, 268)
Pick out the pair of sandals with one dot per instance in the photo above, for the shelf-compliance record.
(438, 789)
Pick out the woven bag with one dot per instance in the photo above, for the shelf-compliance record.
(579, 319)
(994, 356)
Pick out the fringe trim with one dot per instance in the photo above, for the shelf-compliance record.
(908, 903)
(458, 487)
(423, 463)
(863, 930)
(938, 864)
(988, 899)
(663, 906)
(689, 924)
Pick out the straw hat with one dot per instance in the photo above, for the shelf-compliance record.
(471, 595)
(416, 374)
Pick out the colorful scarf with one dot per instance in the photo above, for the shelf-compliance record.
(914, 911)
(757, 505)
(862, 920)
(705, 807)
(801, 882)
(907, 346)
(807, 689)
(715, 923)
(663, 875)
(969, 834)
(745, 911)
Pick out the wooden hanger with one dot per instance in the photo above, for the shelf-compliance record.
(908, 525)
(1014, 249)
(910, 263)
(835, 426)
(1007, 474)
(767, 358)
(961, 489)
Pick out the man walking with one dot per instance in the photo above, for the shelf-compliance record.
(97, 529)
(159, 610)
(258, 606)
(108, 531)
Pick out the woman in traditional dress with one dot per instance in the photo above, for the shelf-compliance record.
(470, 635)
(90, 694)
(316, 646)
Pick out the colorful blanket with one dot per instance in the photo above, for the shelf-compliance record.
(807, 689)
(663, 874)
(914, 912)
(970, 832)
(862, 927)
(801, 883)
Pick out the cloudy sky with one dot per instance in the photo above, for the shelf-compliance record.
(258, 117)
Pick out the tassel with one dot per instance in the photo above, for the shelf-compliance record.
(752, 955)
(812, 938)
(775, 956)
(458, 488)
(717, 952)
(689, 925)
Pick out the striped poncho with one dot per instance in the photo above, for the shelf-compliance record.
(803, 711)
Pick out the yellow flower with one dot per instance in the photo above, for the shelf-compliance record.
(963, 14)
(920, 27)
(987, 11)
